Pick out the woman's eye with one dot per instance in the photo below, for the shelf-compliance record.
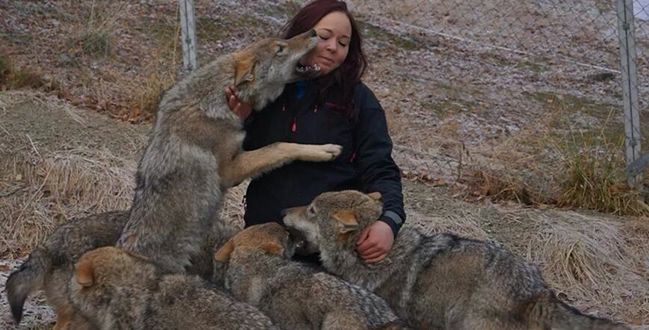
(343, 44)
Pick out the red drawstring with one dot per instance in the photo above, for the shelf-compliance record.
(294, 125)
(351, 159)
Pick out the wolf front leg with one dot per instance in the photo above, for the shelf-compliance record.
(249, 164)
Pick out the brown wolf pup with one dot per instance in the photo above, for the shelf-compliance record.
(436, 282)
(114, 289)
(194, 153)
(295, 295)
(50, 266)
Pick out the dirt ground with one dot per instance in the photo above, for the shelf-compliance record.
(39, 130)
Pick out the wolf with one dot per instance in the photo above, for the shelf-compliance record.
(194, 153)
(295, 296)
(50, 265)
(115, 289)
(435, 281)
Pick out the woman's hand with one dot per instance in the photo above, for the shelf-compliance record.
(375, 242)
(241, 109)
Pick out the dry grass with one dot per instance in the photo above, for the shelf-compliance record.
(594, 179)
(46, 191)
(160, 73)
(499, 186)
(555, 163)
(146, 95)
(13, 77)
(96, 35)
(43, 191)
(591, 265)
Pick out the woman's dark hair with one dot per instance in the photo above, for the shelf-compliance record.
(349, 73)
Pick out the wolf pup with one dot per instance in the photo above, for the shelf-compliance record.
(294, 295)
(117, 290)
(50, 266)
(194, 152)
(439, 281)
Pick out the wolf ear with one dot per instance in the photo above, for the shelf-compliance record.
(244, 69)
(223, 254)
(346, 221)
(85, 273)
(375, 196)
(273, 248)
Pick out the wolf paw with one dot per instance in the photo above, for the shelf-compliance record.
(333, 150)
(323, 153)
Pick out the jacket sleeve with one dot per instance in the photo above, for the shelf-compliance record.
(373, 161)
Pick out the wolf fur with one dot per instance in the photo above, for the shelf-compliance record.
(436, 282)
(194, 152)
(50, 265)
(115, 289)
(296, 296)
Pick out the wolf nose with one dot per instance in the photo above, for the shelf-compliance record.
(283, 212)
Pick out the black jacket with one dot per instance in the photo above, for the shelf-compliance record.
(365, 163)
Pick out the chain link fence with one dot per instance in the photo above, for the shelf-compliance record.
(570, 38)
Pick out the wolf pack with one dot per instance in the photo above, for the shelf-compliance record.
(170, 261)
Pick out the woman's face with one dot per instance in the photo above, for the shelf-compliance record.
(334, 31)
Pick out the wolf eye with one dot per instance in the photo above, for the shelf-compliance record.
(311, 210)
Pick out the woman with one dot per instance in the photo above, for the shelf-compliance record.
(334, 108)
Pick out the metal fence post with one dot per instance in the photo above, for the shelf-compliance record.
(626, 32)
(188, 35)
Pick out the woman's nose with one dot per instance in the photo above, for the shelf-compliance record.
(331, 45)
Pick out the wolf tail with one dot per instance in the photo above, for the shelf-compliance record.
(548, 312)
(27, 279)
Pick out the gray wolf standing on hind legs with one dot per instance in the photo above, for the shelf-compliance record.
(296, 296)
(117, 290)
(194, 152)
(193, 155)
(435, 282)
